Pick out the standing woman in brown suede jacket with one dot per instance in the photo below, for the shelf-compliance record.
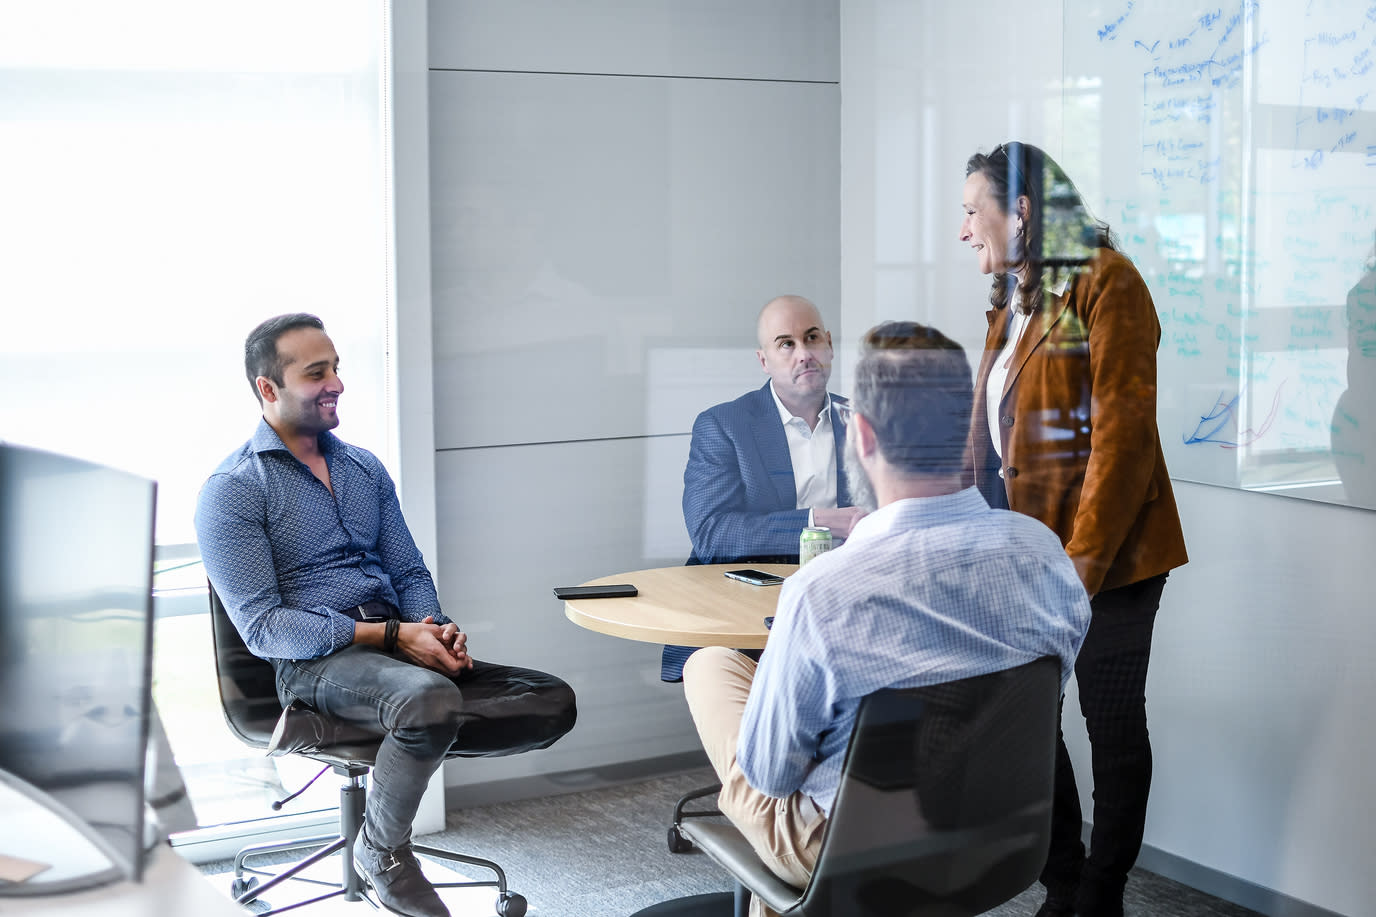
(1064, 430)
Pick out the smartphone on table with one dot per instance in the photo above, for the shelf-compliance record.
(755, 577)
(610, 591)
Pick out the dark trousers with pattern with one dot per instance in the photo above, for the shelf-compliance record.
(1111, 673)
(424, 716)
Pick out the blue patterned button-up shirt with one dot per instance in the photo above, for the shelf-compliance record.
(924, 591)
(288, 558)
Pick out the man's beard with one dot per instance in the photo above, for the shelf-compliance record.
(857, 482)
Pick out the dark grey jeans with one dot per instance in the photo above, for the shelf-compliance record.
(422, 715)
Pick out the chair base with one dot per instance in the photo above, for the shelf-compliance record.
(248, 892)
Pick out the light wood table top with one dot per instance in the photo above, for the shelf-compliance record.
(686, 606)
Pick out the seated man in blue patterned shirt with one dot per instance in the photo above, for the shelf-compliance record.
(303, 539)
(932, 586)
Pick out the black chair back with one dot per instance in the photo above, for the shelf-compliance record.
(248, 684)
(945, 802)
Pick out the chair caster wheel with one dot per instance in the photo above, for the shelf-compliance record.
(510, 904)
(677, 842)
(241, 886)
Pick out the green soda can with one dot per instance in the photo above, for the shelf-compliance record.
(815, 541)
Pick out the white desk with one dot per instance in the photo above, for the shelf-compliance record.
(171, 886)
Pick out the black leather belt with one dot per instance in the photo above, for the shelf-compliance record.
(373, 611)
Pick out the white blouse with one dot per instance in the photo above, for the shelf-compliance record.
(998, 374)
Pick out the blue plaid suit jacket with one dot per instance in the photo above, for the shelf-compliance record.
(739, 499)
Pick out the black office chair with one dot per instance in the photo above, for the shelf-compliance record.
(944, 806)
(678, 843)
(248, 693)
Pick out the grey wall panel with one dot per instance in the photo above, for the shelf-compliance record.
(580, 222)
(515, 522)
(615, 191)
(760, 39)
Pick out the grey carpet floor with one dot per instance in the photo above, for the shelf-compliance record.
(603, 853)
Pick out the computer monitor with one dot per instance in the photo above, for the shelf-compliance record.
(76, 636)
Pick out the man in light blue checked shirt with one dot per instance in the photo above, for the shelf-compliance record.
(932, 586)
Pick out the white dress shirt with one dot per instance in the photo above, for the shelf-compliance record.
(813, 453)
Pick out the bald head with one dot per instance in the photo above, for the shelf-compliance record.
(786, 312)
(795, 351)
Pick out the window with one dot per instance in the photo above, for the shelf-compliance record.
(170, 175)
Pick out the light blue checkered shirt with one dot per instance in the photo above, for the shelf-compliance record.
(924, 591)
(287, 558)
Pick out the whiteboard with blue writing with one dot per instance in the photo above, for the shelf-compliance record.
(1244, 188)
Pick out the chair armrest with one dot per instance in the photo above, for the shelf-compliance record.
(729, 849)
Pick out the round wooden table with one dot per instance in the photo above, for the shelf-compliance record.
(684, 606)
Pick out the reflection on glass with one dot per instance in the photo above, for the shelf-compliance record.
(76, 560)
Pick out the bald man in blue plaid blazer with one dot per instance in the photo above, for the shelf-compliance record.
(739, 496)
(742, 500)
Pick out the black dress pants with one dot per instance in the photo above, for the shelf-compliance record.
(1111, 672)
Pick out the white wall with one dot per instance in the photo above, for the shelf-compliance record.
(615, 190)
(1259, 693)
(1260, 672)
(409, 329)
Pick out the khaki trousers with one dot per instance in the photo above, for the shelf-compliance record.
(785, 833)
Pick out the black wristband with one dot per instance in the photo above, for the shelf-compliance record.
(389, 635)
